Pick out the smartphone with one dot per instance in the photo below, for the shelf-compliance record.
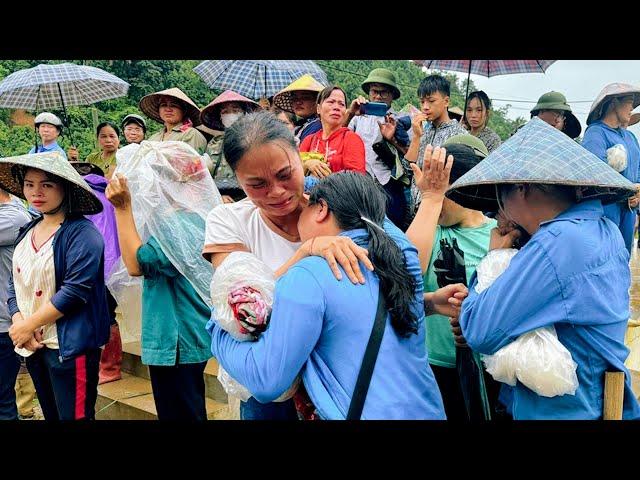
(377, 109)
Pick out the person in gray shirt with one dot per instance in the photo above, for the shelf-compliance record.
(13, 215)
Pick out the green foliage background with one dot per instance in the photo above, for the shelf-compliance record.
(147, 76)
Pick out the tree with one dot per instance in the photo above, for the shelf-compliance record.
(147, 76)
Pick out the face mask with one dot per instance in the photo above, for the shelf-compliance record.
(229, 119)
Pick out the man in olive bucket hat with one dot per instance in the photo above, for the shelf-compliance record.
(383, 138)
(608, 139)
(552, 107)
(439, 226)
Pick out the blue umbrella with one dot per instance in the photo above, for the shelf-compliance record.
(256, 78)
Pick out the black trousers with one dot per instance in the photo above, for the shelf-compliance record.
(9, 366)
(66, 390)
(178, 391)
(449, 384)
(397, 207)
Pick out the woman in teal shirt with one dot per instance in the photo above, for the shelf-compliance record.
(176, 279)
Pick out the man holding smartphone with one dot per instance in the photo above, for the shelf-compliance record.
(375, 127)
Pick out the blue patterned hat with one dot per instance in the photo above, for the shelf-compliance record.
(539, 153)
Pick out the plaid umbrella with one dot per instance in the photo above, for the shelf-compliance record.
(487, 68)
(256, 78)
(54, 86)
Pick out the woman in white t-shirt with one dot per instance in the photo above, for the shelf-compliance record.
(263, 154)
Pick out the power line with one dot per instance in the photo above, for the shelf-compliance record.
(415, 87)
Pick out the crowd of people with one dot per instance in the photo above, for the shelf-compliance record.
(378, 229)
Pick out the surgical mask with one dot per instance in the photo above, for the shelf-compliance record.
(229, 119)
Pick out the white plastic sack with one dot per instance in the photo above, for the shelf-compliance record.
(544, 365)
(241, 270)
(617, 157)
(492, 266)
(537, 358)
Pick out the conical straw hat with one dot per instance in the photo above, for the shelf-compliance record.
(539, 153)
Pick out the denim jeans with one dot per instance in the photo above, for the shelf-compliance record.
(254, 410)
(9, 366)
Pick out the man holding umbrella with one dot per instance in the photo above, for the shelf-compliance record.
(49, 128)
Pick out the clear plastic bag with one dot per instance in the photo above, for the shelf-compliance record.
(239, 269)
(127, 291)
(172, 193)
(544, 365)
(492, 265)
(617, 157)
(537, 358)
(237, 273)
(502, 364)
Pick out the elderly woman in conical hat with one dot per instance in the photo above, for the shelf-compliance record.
(178, 114)
(57, 296)
(572, 274)
(608, 139)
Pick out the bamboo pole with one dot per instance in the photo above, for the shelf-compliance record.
(613, 395)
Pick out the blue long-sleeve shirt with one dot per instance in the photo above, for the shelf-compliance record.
(320, 327)
(598, 138)
(573, 274)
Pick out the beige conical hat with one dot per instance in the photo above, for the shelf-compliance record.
(612, 90)
(541, 154)
(305, 83)
(83, 200)
(150, 105)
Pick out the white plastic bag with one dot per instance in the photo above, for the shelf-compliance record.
(502, 364)
(544, 365)
(492, 265)
(537, 358)
(617, 157)
(127, 291)
(239, 271)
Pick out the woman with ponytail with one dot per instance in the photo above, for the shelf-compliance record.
(320, 326)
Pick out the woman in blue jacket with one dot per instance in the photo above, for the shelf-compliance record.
(57, 297)
(320, 326)
(609, 114)
(572, 274)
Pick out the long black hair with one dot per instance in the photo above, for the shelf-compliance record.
(352, 198)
